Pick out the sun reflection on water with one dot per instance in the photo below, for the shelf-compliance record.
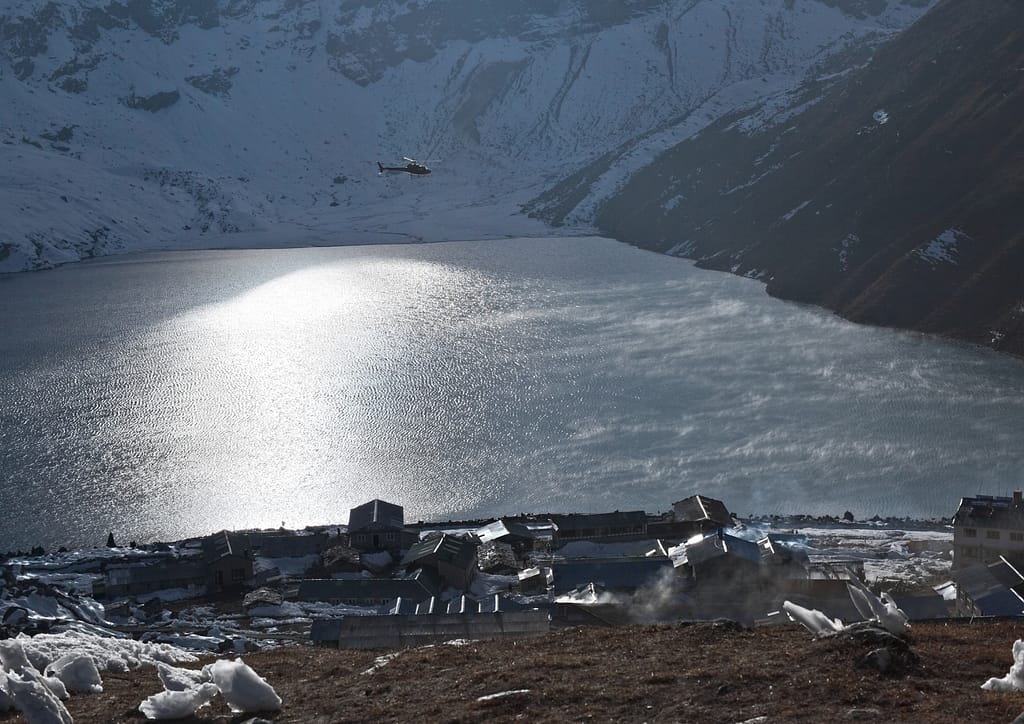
(277, 389)
(465, 380)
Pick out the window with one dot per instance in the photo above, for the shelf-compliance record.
(237, 574)
(970, 532)
(390, 536)
(1017, 537)
(992, 534)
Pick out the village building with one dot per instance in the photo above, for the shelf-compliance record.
(599, 526)
(228, 558)
(363, 591)
(535, 581)
(921, 606)
(341, 559)
(286, 544)
(776, 552)
(453, 558)
(225, 562)
(616, 574)
(986, 527)
(691, 516)
(723, 575)
(380, 526)
(718, 556)
(521, 537)
(704, 512)
(989, 589)
(403, 630)
(139, 580)
(497, 557)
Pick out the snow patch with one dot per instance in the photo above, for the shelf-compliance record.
(845, 247)
(682, 248)
(1014, 679)
(673, 202)
(502, 694)
(944, 248)
(793, 212)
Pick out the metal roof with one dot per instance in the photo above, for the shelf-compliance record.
(369, 589)
(921, 605)
(990, 511)
(398, 607)
(463, 604)
(698, 508)
(448, 548)
(617, 519)
(995, 589)
(157, 573)
(612, 573)
(502, 528)
(713, 545)
(226, 543)
(429, 578)
(287, 544)
(499, 604)
(376, 514)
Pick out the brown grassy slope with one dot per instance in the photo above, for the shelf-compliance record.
(698, 672)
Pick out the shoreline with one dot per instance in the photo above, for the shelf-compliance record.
(791, 520)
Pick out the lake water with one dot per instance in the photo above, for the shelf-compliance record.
(165, 395)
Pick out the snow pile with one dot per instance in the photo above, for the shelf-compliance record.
(24, 688)
(883, 611)
(177, 679)
(35, 701)
(178, 704)
(244, 690)
(108, 654)
(78, 672)
(811, 619)
(188, 690)
(380, 662)
(36, 673)
(1014, 679)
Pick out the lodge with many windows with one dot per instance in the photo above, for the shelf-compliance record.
(986, 527)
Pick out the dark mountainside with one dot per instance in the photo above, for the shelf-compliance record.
(895, 200)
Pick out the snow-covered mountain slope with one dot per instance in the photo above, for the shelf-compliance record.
(172, 123)
(894, 199)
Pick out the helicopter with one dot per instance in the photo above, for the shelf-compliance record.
(413, 167)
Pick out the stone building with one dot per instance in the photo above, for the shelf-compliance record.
(986, 527)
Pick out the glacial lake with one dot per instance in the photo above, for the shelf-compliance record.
(170, 394)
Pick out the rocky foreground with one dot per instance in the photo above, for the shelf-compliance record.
(708, 672)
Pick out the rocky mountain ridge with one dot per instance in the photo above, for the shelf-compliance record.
(786, 140)
(894, 199)
(135, 125)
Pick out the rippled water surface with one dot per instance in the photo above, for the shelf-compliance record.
(165, 395)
